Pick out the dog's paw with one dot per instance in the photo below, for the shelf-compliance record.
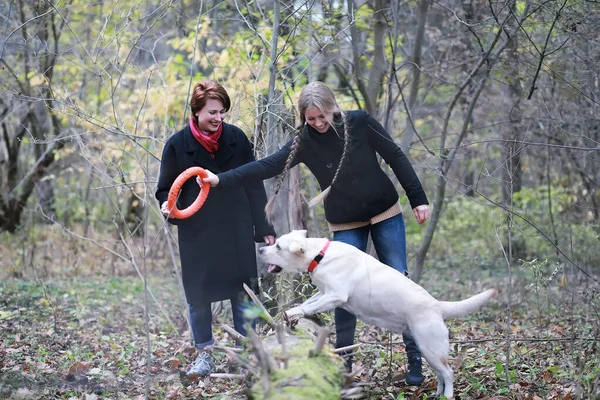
(296, 311)
(291, 320)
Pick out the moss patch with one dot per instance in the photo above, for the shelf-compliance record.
(306, 377)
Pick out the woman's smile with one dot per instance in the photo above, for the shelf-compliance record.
(318, 119)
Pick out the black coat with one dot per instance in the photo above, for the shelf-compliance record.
(216, 244)
(362, 190)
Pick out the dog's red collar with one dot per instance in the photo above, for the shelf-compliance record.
(318, 258)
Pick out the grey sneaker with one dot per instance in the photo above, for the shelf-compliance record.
(203, 365)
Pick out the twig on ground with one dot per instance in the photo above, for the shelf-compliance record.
(280, 334)
(351, 347)
(320, 342)
(228, 349)
(257, 301)
(238, 337)
(261, 355)
(228, 376)
(233, 355)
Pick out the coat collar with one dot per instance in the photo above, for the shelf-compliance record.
(202, 157)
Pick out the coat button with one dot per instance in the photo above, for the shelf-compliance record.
(329, 165)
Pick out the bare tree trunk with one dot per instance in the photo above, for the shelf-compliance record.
(287, 211)
(512, 171)
(288, 207)
(409, 132)
(36, 120)
(393, 70)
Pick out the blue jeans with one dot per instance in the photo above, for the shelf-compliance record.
(201, 320)
(389, 239)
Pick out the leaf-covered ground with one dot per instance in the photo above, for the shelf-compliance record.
(87, 338)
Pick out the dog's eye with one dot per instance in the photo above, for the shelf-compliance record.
(277, 247)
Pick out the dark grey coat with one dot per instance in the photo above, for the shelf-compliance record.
(216, 244)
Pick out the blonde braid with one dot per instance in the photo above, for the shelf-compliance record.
(345, 152)
(346, 148)
(269, 208)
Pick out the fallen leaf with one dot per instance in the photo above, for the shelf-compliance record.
(563, 280)
(44, 367)
(173, 363)
(548, 377)
(173, 392)
(189, 351)
(399, 377)
(80, 368)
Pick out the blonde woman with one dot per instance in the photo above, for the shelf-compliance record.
(340, 148)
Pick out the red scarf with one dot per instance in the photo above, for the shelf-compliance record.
(211, 141)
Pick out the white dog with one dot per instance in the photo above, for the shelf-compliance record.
(375, 293)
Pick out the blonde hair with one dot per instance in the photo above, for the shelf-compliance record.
(319, 95)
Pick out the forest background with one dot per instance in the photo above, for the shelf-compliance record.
(495, 102)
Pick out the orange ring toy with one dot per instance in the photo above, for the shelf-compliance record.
(176, 187)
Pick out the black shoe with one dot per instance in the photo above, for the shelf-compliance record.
(348, 359)
(414, 376)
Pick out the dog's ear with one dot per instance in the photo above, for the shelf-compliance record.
(297, 247)
(300, 232)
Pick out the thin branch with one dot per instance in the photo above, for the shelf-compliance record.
(347, 348)
(501, 339)
(464, 84)
(239, 377)
(465, 125)
(410, 118)
(530, 340)
(238, 337)
(543, 52)
(322, 336)
(20, 26)
(528, 144)
(192, 61)
(257, 301)
(35, 169)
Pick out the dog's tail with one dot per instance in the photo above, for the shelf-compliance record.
(454, 309)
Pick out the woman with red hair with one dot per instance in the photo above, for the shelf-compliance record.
(216, 244)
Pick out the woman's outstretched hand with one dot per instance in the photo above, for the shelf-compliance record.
(422, 213)
(211, 179)
(164, 208)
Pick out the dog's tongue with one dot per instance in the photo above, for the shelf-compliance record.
(273, 269)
